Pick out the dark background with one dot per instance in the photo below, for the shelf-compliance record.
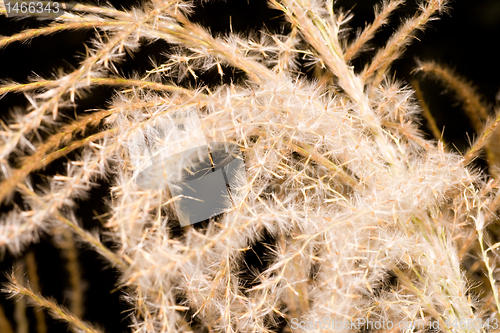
(465, 38)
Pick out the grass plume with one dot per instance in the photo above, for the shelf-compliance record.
(348, 211)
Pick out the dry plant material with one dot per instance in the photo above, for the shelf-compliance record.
(475, 108)
(355, 215)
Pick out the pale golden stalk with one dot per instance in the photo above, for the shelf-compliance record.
(475, 108)
(76, 324)
(32, 269)
(426, 112)
(381, 18)
(399, 40)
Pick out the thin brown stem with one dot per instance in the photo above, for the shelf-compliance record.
(31, 33)
(465, 92)
(41, 158)
(32, 270)
(94, 242)
(101, 10)
(22, 325)
(116, 82)
(85, 235)
(70, 253)
(309, 153)
(426, 112)
(102, 57)
(482, 140)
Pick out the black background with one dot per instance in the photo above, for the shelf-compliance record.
(466, 38)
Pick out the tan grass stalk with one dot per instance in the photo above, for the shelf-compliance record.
(194, 36)
(474, 107)
(28, 222)
(94, 242)
(32, 269)
(56, 311)
(407, 132)
(322, 34)
(426, 112)
(309, 153)
(102, 10)
(482, 139)
(85, 235)
(56, 201)
(70, 253)
(22, 325)
(44, 154)
(399, 40)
